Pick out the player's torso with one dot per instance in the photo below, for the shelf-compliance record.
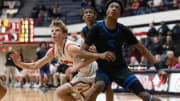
(66, 58)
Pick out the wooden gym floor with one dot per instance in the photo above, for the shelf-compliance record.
(19, 94)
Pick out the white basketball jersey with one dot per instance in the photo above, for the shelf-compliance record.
(64, 57)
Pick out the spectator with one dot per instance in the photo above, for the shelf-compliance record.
(177, 66)
(171, 60)
(156, 47)
(176, 31)
(143, 61)
(35, 11)
(163, 29)
(56, 10)
(10, 68)
(159, 63)
(156, 5)
(135, 7)
(134, 52)
(133, 61)
(169, 44)
(152, 31)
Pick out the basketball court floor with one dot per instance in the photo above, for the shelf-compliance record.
(19, 94)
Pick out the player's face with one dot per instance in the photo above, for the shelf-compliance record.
(113, 10)
(57, 34)
(89, 15)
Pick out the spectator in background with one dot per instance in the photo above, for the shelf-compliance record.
(135, 7)
(10, 68)
(135, 52)
(177, 66)
(133, 61)
(144, 7)
(163, 29)
(169, 44)
(152, 31)
(100, 9)
(35, 11)
(156, 47)
(56, 10)
(43, 15)
(156, 5)
(176, 31)
(159, 63)
(143, 61)
(171, 60)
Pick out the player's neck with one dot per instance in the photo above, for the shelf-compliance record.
(90, 24)
(60, 45)
(110, 23)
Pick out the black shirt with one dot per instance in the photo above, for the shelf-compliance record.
(9, 61)
(110, 40)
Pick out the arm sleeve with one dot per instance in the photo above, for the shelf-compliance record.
(91, 36)
(130, 39)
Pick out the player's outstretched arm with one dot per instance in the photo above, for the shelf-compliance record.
(34, 65)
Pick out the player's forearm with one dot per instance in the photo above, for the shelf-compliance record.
(84, 63)
(87, 54)
(29, 66)
(146, 53)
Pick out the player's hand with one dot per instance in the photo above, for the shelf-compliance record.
(16, 58)
(69, 71)
(92, 48)
(109, 56)
(163, 76)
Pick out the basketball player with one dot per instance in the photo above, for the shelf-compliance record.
(108, 37)
(89, 17)
(44, 70)
(65, 51)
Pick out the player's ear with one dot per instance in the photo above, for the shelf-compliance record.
(83, 17)
(65, 34)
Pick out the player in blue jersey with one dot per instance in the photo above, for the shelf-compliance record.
(89, 17)
(108, 36)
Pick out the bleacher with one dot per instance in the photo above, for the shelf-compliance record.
(70, 10)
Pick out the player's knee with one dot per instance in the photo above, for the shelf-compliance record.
(99, 86)
(59, 92)
(63, 90)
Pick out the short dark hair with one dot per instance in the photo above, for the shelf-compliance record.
(117, 1)
(89, 7)
(43, 42)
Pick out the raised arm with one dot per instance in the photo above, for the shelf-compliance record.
(34, 65)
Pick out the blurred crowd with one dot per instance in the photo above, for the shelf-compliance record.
(134, 7)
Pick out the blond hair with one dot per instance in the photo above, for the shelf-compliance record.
(59, 23)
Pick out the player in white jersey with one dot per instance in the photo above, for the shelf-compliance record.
(67, 52)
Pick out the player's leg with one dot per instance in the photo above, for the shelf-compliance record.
(3, 90)
(109, 94)
(131, 82)
(101, 84)
(64, 93)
